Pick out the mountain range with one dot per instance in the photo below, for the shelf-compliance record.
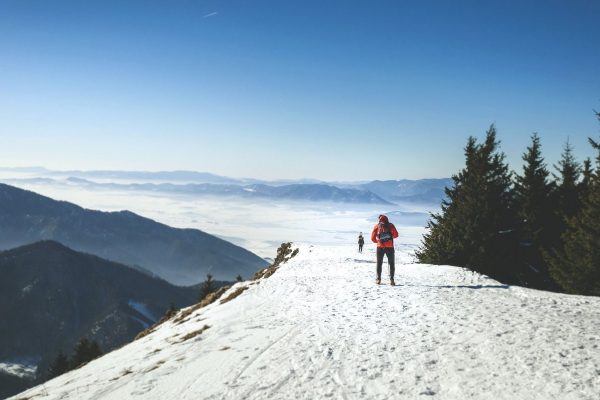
(179, 176)
(295, 192)
(51, 296)
(427, 191)
(180, 256)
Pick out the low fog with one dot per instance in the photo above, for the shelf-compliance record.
(255, 224)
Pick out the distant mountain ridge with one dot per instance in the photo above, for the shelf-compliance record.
(294, 192)
(405, 190)
(51, 296)
(430, 191)
(177, 176)
(180, 256)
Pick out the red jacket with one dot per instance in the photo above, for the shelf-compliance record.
(374, 239)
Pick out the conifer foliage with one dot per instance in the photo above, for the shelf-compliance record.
(475, 224)
(576, 264)
(532, 203)
(568, 188)
(85, 350)
(207, 287)
(59, 366)
(587, 178)
(527, 229)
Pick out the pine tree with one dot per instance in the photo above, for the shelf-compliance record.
(534, 211)
(207, 287)
(576, 266)
(440, 242)
(84, 352)
(587, 174)
(475, 224)
(239, 278)
(59, 366)
(567, 191)
(587, 178)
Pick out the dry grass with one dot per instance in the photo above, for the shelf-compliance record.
(284, 254)
(168, 315)
(269, 272)
(126, 371)
(234, 294)
(179, 317)
(194, 333)
(155, 366)
(83, 364)
(214, 296)
(209, 299)
(146, 332)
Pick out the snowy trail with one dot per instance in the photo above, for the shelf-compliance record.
(320, 328)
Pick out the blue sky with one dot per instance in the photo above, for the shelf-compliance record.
(335, 90)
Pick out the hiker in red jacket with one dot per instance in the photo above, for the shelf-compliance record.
(383, 234)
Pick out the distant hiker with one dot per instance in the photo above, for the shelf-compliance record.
(361, 241)
(383, 234)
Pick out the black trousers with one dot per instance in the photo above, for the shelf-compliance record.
(360, 247)
(389, 252)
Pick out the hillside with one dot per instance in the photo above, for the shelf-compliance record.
(320, 328)
(180, 256)
(51, 296)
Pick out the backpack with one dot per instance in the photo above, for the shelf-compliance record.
(384, 234)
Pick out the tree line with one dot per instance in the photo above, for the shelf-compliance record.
(84, 351)
(536, 228)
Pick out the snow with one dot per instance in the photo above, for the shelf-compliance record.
(27, 289)
(320, 328)
(22, 369)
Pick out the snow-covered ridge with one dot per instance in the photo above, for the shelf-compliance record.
(319, 327)
(21, 369)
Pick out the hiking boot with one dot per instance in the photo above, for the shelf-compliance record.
(392, 282)
(378, 281)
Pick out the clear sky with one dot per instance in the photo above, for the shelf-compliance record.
(335, 90)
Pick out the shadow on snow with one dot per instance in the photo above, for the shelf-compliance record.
(462, 286)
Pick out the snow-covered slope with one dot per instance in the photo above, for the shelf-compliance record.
(320, 328)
